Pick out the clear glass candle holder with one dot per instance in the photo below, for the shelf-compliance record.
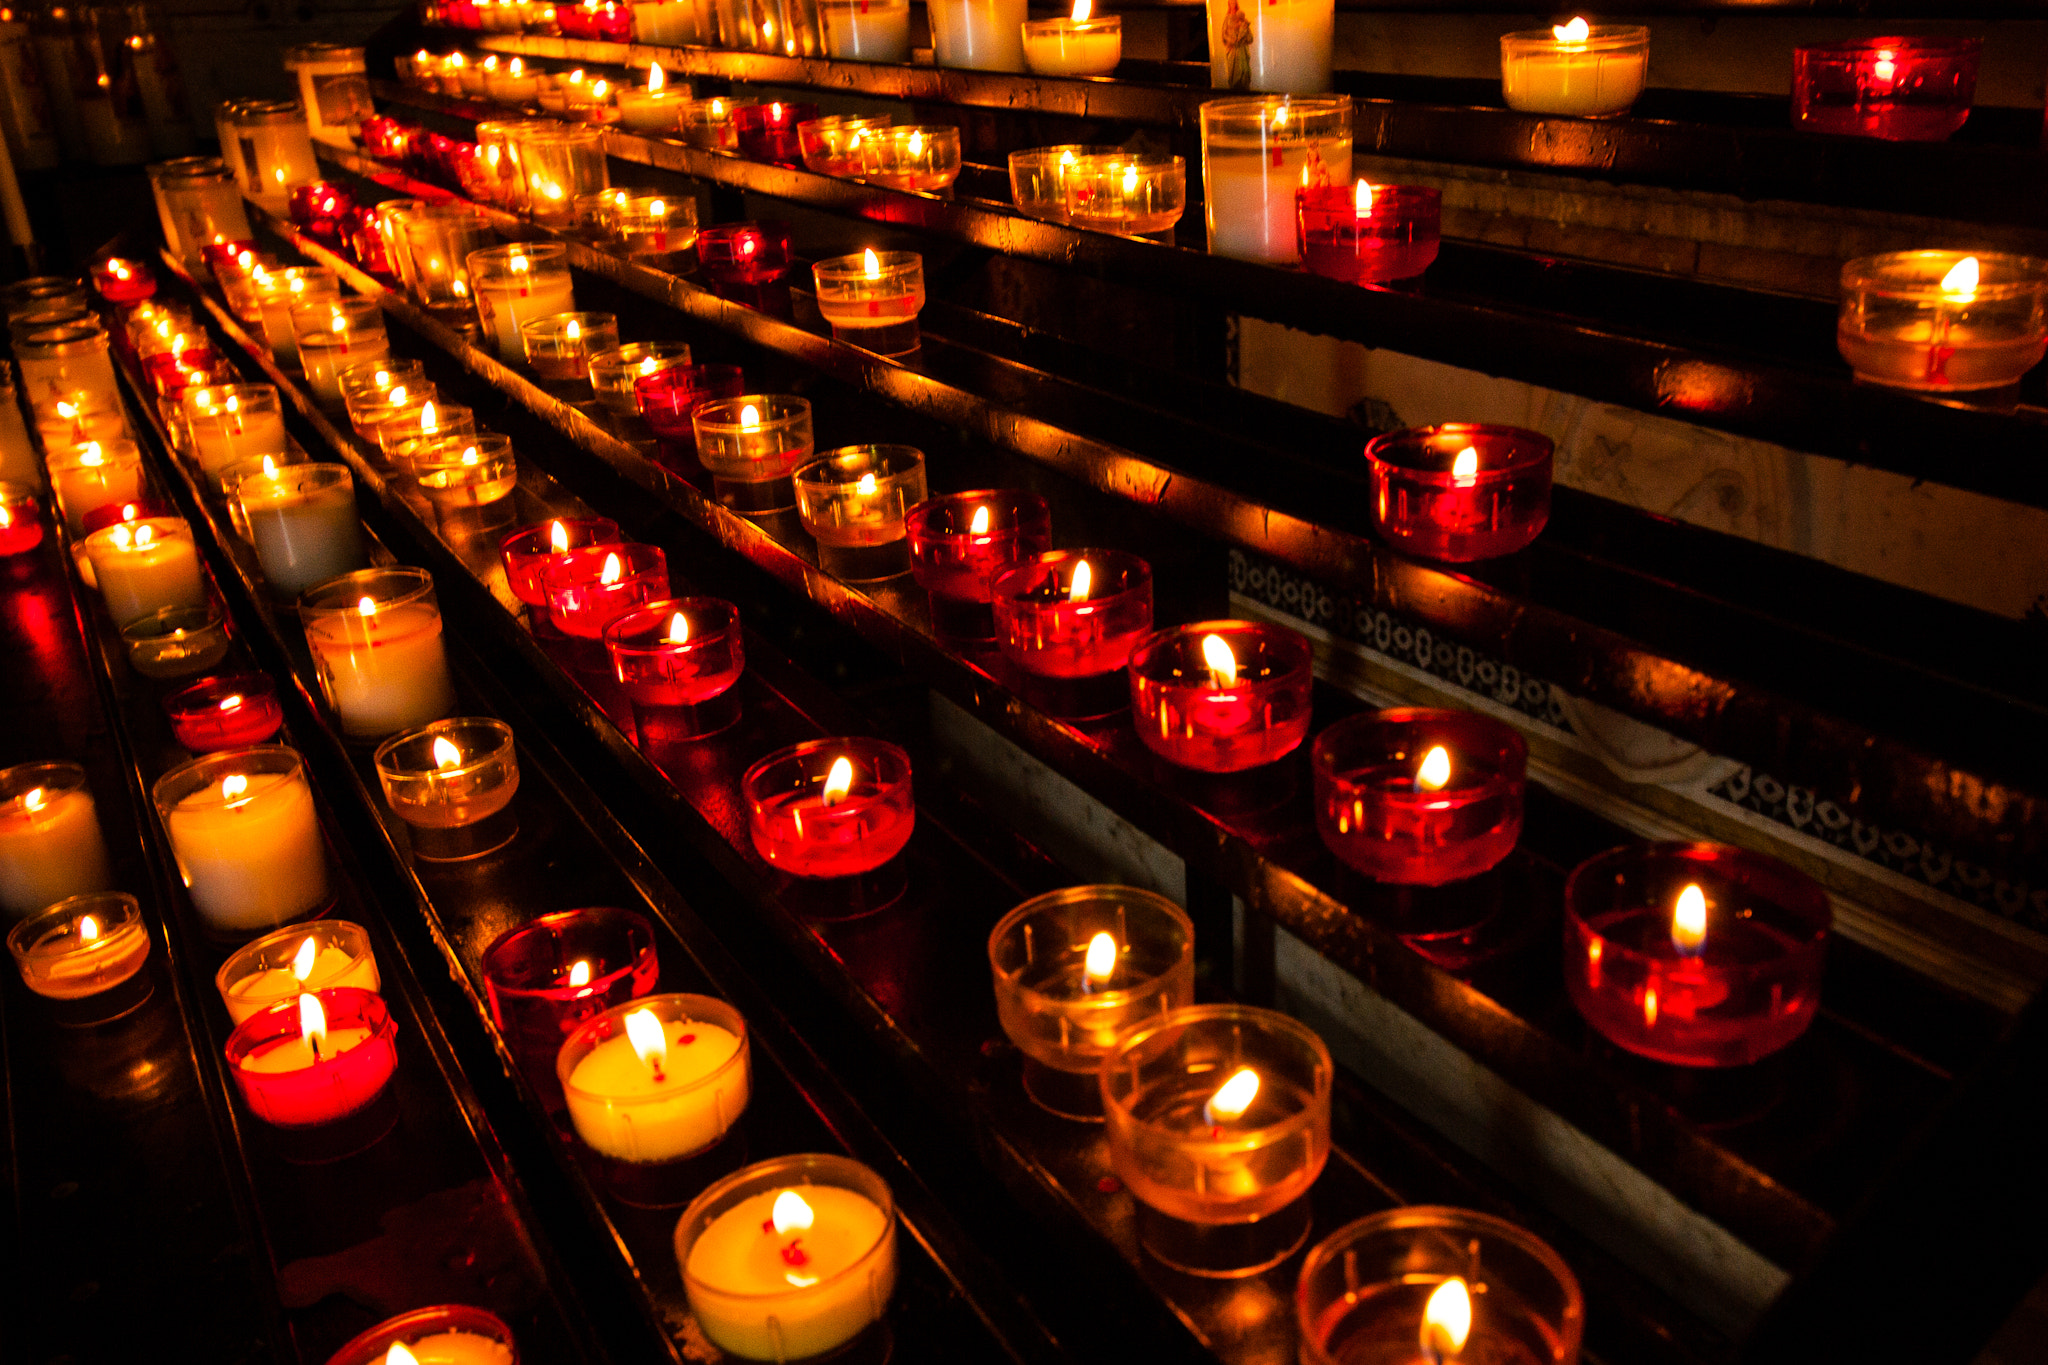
(176, 642)
(559, 348)
(556, 164)
(50, 842)
(959, 542)
(232, 711)
(872, 299)
(375, 637)
(40, 291)
(594, 212)
(767, 132)
(866, 30)
(478, 1335)
(306, 957)
(1072, 613)
(978, 35)
(335, 334)
(708, 123)
(459, 472)
(21, 519)
(247, 838)
(832, 145)
(288, 1083)
(1073, 970)
(374, 380)
(855, 501)
(1943, 321)
(1364, 234)
(547, 978)
(748, 254)
(752, 445)
(453, 782)
(199, 205)
(637, 1104)
(515, 285)
(589, 588)
(1419, 797)
(370, 412)
(302, 521)
(1074, 47)
(1366, 1290)
(439, 241)
(280, 291)
(1125, 193)
(1901, 89)
(1222, 696)
(85, 954)
(225, 424)
(1038, 177)
(56, 362)
(1255, 154)
(922, 157)
(615, 374)
(669, 399)
(1221, 1159)
(830, 808)
(1698, 955)
(94, 475)
(278, 148)
(526, 551)
(1460, 491)
(677, 659)
(731, 1228)
(405, 436)
(1592, 72)
(654, 226)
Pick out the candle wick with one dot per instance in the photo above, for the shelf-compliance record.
(314, 1043)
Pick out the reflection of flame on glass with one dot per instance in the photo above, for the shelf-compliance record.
(446, 755)
(649, 1039)
(33, 799)
(678, 630)
(1689, 922)
(1435, 771)
(979, 526)
(613, 571)
(1650, 1008)
(1082, 581)
(839, 781)
(1884, 67)
(1446, 1321)
(558, 537)
(1577, 31)
(303, 960)
(1101, 963)
(1362, 200)
(1232, 1098)
(579, 973)
(1960, 284)
(1222, 663)
(312, 1022)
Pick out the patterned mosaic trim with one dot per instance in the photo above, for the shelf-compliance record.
(1799, 809)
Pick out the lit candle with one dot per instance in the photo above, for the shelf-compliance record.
(1943, 321)
(1126, 193)
(1255, 154)
(1080, 46)
(1073, 613)
(709, 123)
(678, 659)
(866, 30)
(375, 636)
(767, 132)
(314, 1059)
(1277, 45)
(512, 83)
(334, 337)
(752, 445)
(670, 398)
(666, 23)
(248, 842)
(123, 281)
(1222, 696)
(82, 946)
(872, 300)
(229, 712)
(656, 1079)
(615, 374)
(302, 521)
(1916, 89)
(980, 35)
(587, 589)
(453, 782)
(1462, 490)
(50, 844)
(445, 1334)
(547, 978)
(94, 475)
(527, 550)
(21, 520)
(959, 542)
(655, 108)
(1371, 232)
(854, 501)
(922, 157)
(466, 471)
(559, 348)
(318, 210)
(1420, 797)
(830, 807)
(1575, 68)
(515, 285)
(832, 144)
(278, 292)
(144, 566)
(294, 962)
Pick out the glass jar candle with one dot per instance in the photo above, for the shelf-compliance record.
(1695, 954)
(669, 400)
(375, 379)
(239, 283)
(50, 843)
(1901, 89)
(21, 519)
(70, 314)
(452, 782)
(301, 1066)
(959, 542)
(854, 501)
(1075, 968)
(557, 163)
(872, 299)
(302, 521)
(457, 472)
(1419, 797)
(335, 334)
(1077, 46)
(547, 978)
(232, 711)
(1255, 154)
(1130, 195)
(744, 254)
(526, 551)
(319, 210)
(832, 145)
(615, 374)
(119, 280)
(655, 1080)
(176, 642)
(1072, 613)
(375, 637)
(767, 132)
(278, 292)
(1038, 177)
(559, 347)
(401, 438)
(1460, 491)
(1593, 71)
(654, 226)
(452, 1332)
(94, 475)
(295, 961)
(1222, 696)
(143, 566)
(334, 88)
(370, 413)
(86, 953)
(1943, 321)
(677, 659)
(41, 291)
(752, 445)
(513, 82)
(247, 838)
(1279, 47)
(589, 588)
(866, 30)
(278, 150)
(199, 205)
(1364, 234)
(656, 107)
(517, 284)
(228, 423)
(497, 162)
(979, 35)
(830, 808)
(708, 123)
(57, 362)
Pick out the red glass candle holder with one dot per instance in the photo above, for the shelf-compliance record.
(362, 235)
(527, 550)
(767, 132)
(744, 253)
(1419, 797)
(220, 256)
(678, 659)
(232, 711)
(669, 397)
(289, 1083)
(172, 371)
(1694, 954)
(1221, 696)
(1072, 613)
(1898, 89)
(21, 519)
(120, 280)
(959, 542)
(1460, 491)
(320, 209)
(380, 135)
(113, 512)
(547, 978)
(830, 807)
(588, 589)
(1368, 233)
(446, 1325)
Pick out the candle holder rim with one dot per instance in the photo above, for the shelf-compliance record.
(610, 1024)
(1599, 38)
(13, 492)
(339, 589)
(126, 925)
(505, 744)
(346, 935)
(163, 527)
(618, 628)
(837, 122)
(853, 266)
(307, 475)
(59, 773)
(1346, 197)
(1530, 451)
(1868, 274)
(257, 392)
(499, 258)
(850, 1175)
(170, 621)
(1068, 895)
(1789, 889)
(489, 445)
(369, 1346)
(1268, 1020)
(1513, 746)
(793, 407)
(585, 322)
(635, 558)
(280, 760)
(117, 452)
(1919, 44)
(67, 334)
(633, 352)
(893, 464)
(1097, 23)
(368, 1008)
(939, 132)
(193, 699)
(639, 932)
(369, 369)
(868, 746)
(545, 529)
(688, 374)
(1028, 511)
(1300, 654)
(1133, 566)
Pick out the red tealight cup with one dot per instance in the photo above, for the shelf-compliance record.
(668, 398)
(1072, 613)
(1462, 490)
(547, 978)
(21, 519)
(1899, 89)
(959, 542)
(290, 1080)
(1694, 954)
(744, 253)
(381, 136)
(767, 132)
(100, 517)
(1221, 696)
(1368, 233)
(232, 711)
(588, 589)
(830, 807)
(362, 234)
(678, 659)
(221, 255)
(441, 1324)
(526, 550)
(320, 209)
(1419, 797)
(120, 280)
(170, 371)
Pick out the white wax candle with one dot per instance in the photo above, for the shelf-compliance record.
(1074, 50)
(620, 1109)
(383, 672)
(144, 566)
(459, 1348)
(981, 35)
(302, 535)
(331, 967)
(250, 851)
(1568, 79)
(1281, 46)
(50, 849)
(226, 436)
(82, 487)
(505, 307)
(769, 1295)
(1250, 193)
(326, 355)
(867, 30)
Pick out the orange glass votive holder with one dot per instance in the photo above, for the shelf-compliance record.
(959, 542)
(1368, 233)
(872, 299)
(916, 157)
(752, 444)
(1943, 321)
(1695, 954)
(1222, 696)
(678, 659)
(1419, 797)
(1460, 491)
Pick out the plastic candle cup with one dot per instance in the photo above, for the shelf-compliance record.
(176, 641)
(293, 962)
(466, 471)
(1079, 46)
(1077, 967)
(919, 157)
(1419, 797)
(677, 659)
(866, 30)
(767, 132)
(278, 292)
(1429, 1281)
(559, 348)
(143, 566)
(651, 226)
(1275, 45)
(411, 432)
(656, 107)
(94, 475)
(362, 383)
(371, 411)
(514, 285)
(1460, 491)
(1593, 71)
(588, 588)
(1221, 696)
(1038, 177)
(754, 253)
(453, 783)
(1695, 954)
(709, 123)
(1126, 194)
(1943, 321)
(1897, 88)
(439, 241)
(527, 550)
(1073, 613)
(232, 711)
(872, 299)
(247, 838)
(752, 444)
(302, 521)
(300, 1065)
(21, 519)
(1255, 154)
(959, 542)
(1218, 1119)
(50, 844)
(854, 501)
(829, 808)
(1368, 233)
(979, 35)
(832, 145)
(123, 281)
(655, 1080)
(669, 399)
(615, 374)
(789, 1258)
(318, 210)
(334, 335)
(375, 637)
(557, 163)
(548, 978)
(86, 953)
(447, 1334)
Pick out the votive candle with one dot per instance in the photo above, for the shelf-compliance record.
(50, 842)
(375, 636)
(1418, 796)
(293, 962)
(248, 842)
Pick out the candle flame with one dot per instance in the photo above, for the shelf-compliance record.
(1689, 921)
(446, 755)
(979, 526)
(600, 88)
(88, 929)
(230, 702)
(1465, 468)
(558, 537)
(1232, 1098)
(655, 78)
(866, 486)
(1362, 201)
(518, 265)
(573, 330)
(579, 972)
(750, 417)
(518, 68)
(613, 571)
(122, 538)
(872, 264)
(678, 630)
(234, 787)
(303, 960)
(658, 209)
(67, 410)
(1960, 284)
(93, 456)
(1222, 663)
(143, 536)
(649, 1039)
(718, 108)
(1280, 117)
(1577, 31)
(1078, 585)
(1102, 952)
(33, 799)
(1435, 771)
(367, 606)
(917, 141)
(269, 467)
(397, 398)
(1447, 1320)
(839, 781)
(790, 1213)
(428, 422)
(398, 1355)
(1883, 68)
(312, 1022)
